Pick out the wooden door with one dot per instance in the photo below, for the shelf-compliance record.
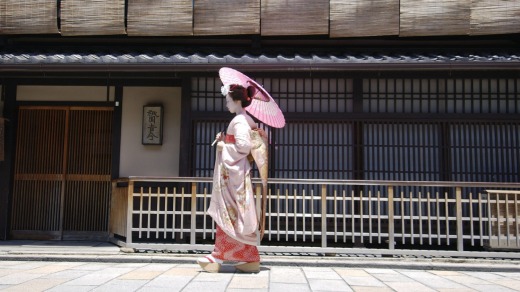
(62, 173)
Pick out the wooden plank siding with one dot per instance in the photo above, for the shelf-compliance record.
(222, 17)
(335, 18)
(434, 17)
(160, 18)
(358, 18)
(495, 17)
(95, 17)
(297, 17)
(28, 16)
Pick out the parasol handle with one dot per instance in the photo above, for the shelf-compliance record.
(216, 140)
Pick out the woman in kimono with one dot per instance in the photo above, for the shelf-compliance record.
(232, 204)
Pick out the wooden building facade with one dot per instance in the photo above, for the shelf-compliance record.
(371, 90)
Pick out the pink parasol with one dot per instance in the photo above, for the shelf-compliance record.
(263, 106)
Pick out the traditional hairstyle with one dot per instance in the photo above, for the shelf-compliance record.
(239, 92)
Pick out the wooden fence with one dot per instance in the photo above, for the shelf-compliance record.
(323, 216)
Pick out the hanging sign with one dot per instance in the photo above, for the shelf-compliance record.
(152, 125)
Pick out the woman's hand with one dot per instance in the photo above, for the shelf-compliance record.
(220, 145)
(218, 137)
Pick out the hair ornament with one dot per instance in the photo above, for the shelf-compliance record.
(225, 90)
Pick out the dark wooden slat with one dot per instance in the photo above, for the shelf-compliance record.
(28, 17)
(359, 18)
(296, 17)
(434, 17)
(223, 17)
(94, 17)
(160, 18)
(495, 17)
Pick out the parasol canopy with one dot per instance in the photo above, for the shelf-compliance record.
(263, 106)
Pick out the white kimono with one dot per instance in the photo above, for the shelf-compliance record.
(232, 204)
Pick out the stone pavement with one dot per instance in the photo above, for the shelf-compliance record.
(90, 266)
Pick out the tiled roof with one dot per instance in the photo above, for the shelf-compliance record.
(186, 60)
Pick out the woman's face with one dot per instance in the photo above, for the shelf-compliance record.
(232, 105)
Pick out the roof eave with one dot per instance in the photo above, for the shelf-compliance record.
(279, 67)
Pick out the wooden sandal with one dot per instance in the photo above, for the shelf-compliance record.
(208, 264)
(251, 267)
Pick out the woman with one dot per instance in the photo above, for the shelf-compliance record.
(232, 204)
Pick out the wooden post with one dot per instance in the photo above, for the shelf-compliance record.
(129, 211)
(323, 216)
(193, 212)
(112, 220)
(458, 197)
(391, 241)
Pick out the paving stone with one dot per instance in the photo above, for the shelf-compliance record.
(131, 265)
(18, 278)
(249, 282)
(465, 289)
(485, 275)
(140, 275)
(156, 267)
(49, 269)
(467, 280)
(93, 266)
(201, 286)
(28, 265)
(431, 280)
(512, 284)
(68, 288)
(409, 286)
(322, 273)
(352, 272)
(381, 271)
(180, 271)
(157, 289)
(4, 272)
(287, 275)
(35, 285)
(371, 289)
(512, 275)
(489, 288)
(363, 281)
(66, 274)
(121, 285)
(286, 287)
(247, 290)
(392, 278)
(328, 285)
(446, 273)
(214, 277)
(173, 283)
(93, 279)
(10, 263)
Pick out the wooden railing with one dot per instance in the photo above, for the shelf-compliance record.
(326, 215)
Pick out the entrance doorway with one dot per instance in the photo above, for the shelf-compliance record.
(61, 186)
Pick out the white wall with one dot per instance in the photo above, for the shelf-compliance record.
(150, 160)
